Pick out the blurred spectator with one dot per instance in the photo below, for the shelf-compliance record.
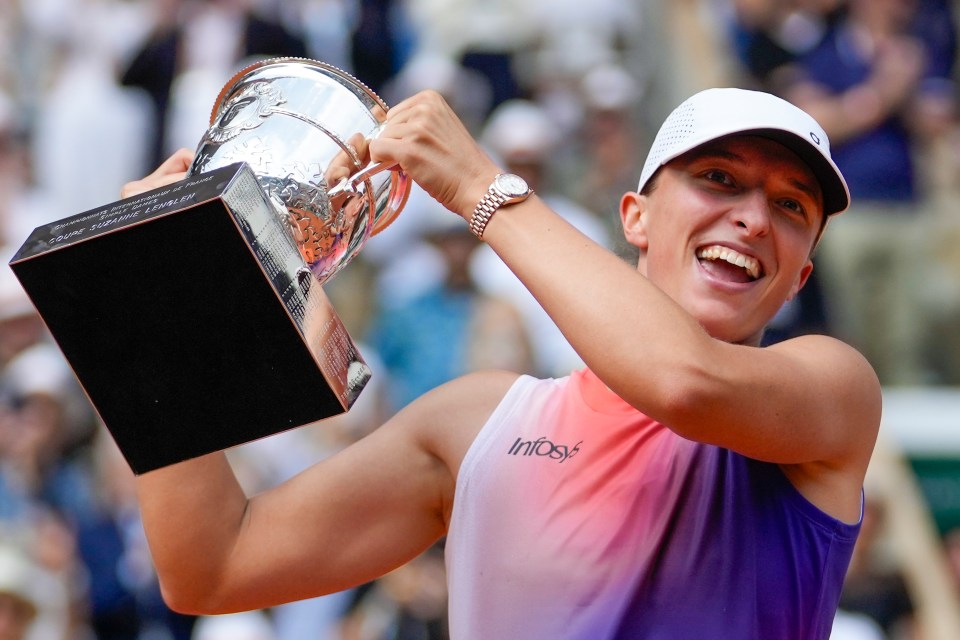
(467, 91)
(804, 314)
(51, 421)
(209, 37)
(23, 205)
(874, 586)
(768, 36)
(327, 27)
(123, 594)
(523, 137)
(15, 207)
(880, 85)
(19, 593)
(20, 329)
(397, 264)
(449, 326)
(45, 420)
(248, 625)
(611, 142)
(951, 545)
(573, 39)
(373, 45)
(20, 325)
(35, 590)
(409, 603)
(87, 135)
(54, 548)
(487, 37)
(855, 626)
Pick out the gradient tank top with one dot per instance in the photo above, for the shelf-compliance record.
(578, 518)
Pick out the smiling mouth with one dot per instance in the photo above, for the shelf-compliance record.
(728, 264)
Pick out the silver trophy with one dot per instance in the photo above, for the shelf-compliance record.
(303, 126)
(194, 314)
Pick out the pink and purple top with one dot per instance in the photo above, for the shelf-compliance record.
(577, 517)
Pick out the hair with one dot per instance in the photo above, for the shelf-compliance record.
(651, 183)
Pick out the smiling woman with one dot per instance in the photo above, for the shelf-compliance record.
(748, 200)
(684, 484)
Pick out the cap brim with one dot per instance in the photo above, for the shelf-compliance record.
(836, 194)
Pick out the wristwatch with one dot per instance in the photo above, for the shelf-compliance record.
(506, 189)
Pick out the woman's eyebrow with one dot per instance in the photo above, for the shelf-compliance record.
(708, 152)
(806, 187)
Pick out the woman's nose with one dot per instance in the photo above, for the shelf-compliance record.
(752, 213)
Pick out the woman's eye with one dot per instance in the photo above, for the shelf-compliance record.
(794, 207)
(715, 175)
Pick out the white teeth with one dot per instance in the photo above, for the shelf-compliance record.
(716, 252)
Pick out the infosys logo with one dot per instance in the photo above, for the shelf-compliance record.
(544, 448)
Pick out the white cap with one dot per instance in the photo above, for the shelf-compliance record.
(715, 113)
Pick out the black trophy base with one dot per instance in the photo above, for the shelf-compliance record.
(189, 320)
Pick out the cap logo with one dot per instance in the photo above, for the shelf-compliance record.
(815, 138)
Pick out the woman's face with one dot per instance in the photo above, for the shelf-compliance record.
(727, 232)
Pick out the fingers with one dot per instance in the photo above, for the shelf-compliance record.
(172, 170)
(426, 138)
(179, 162)
(361, 146)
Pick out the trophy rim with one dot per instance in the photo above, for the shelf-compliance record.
(400, 182)
(230, 84)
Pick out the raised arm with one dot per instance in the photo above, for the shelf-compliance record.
(809, 399)
(812, 400)
(347, 520)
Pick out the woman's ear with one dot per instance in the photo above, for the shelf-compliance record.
(801, 280)
(633, 218)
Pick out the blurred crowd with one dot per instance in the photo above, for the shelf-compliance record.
(94, 93)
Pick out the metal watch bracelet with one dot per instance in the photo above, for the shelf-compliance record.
(487, 206)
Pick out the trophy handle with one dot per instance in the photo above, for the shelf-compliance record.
(399, 186)
(349, 185)
(399, 193)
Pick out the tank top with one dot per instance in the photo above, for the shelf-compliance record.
(577, 517)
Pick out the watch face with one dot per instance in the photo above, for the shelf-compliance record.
(512, 185)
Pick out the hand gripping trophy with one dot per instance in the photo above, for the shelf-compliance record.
(303, 127)
(194, 315)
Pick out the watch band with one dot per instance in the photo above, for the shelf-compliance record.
(506, 189)
(488, 205)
